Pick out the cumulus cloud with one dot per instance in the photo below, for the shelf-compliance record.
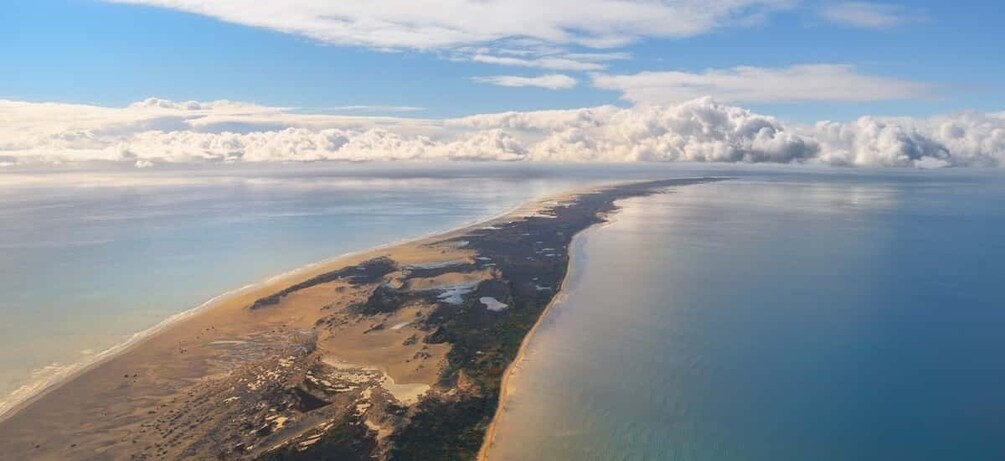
(697, 131)
(808, 82)
(869, 15)
(700, 130)
(966, 139)
(550, 81)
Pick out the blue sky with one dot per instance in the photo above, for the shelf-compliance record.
(84, 51)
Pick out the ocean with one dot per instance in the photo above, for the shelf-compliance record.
(823, 316)
(790, 313)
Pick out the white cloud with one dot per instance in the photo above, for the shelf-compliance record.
(442, 24)
(370, 108)
(551, 81)
(810, 82)
(869, 15)
(699, 130)
(540, 121)
(541, 57)
(970, 139)
(553, 63)
(702, 130)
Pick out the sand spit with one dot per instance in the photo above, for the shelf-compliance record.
(358, 357)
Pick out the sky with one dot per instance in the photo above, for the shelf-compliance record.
(846, 83)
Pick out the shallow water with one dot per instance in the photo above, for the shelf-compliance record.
(831, 316)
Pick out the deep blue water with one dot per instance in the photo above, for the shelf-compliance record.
(841, 315)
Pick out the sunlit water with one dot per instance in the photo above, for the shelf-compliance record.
(836, 316)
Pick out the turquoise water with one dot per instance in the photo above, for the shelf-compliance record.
(824, 316)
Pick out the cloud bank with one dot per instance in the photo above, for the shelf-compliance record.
(700, 130)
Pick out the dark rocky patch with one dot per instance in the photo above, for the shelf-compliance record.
(305, 401)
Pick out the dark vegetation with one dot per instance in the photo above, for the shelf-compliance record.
(366, 272)
(383, 300)
(419, 272)
(348, 440)
(445, 430)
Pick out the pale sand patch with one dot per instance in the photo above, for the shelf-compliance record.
(447, 280)
(454, 294)
(389, 349)
(431, 253)
(405, 393)
(493, 304)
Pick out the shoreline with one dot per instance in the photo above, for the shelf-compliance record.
(490, 432)
(511, 369)
(71, 371)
